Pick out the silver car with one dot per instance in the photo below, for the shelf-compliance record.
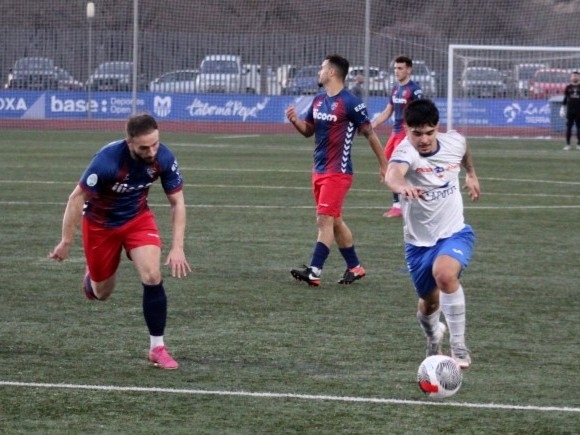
(182, 80)
(376, 82)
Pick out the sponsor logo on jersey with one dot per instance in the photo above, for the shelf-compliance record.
(123, 187)
(321, 116)
(398, 100)
(438, 194)
(438, 170)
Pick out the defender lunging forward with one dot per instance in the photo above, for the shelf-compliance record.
(111, 201)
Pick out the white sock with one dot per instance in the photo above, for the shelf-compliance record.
(430, 323)
(156, 341)
(453, 307)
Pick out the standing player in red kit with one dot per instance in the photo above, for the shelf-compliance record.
(334, 118)
(111, 201)
(402, 94)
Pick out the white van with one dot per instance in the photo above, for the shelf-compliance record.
(220, 73)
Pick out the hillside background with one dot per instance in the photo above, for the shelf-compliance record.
(546, 21)
(178, 33)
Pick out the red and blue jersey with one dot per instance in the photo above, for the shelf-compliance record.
(401, 96)
(336, 120)
(118, 184)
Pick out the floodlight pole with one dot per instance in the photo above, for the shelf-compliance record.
(90, 17)
(367, 50)
(135, 53)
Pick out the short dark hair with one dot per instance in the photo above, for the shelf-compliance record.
(340, 63)
(419, 113)
(403, 58)
(138, 125)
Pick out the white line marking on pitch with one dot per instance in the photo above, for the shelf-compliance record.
(287, 396)
(305, 207)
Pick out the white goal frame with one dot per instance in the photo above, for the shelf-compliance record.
(452, 49)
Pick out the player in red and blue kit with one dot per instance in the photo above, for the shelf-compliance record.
(402, 94)
(111, 201)
(334, 118)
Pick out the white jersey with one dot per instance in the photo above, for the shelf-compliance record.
(440, 214)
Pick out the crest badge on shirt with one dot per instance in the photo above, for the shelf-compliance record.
(151, 171)
(92, 180)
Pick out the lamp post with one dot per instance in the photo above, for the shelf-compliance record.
(90, 17)
(135, 55)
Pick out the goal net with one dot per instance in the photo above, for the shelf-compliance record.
(234, 66)
(505, 90)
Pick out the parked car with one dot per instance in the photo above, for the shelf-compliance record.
(305, 81)
(114, 76)
(421, 74)
(34, 73)
(182, 80)
(424, 77)
(284, 75)
(483, 82)
(548, 82)
(253, 80)
(66, 81)
(376, 82)
(220, 73)
(522, 73)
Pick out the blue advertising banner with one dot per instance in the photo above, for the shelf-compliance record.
(244, 108)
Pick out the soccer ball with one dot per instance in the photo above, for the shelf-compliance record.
(439, 376)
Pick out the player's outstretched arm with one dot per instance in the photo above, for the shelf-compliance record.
(396, 181)
(471, 181)
(375, 143)
(383, 116)
(176, 258)
(70, 222)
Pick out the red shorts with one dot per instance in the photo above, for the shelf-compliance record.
(103, 246)
(329, 192)
(394, 140)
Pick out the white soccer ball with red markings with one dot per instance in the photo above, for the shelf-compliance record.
(439, 376)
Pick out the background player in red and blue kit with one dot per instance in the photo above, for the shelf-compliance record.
(334, 118)
(111, 201)
(402, 94)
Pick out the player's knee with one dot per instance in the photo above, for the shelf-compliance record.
(103, 291)
(151, 277)
(445, 279)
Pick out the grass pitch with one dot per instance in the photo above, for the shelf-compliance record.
(262, 353)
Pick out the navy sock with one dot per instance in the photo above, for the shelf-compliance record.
(349, 255)
(395, 198)
(319, 255)
(155, 308)
(89, 287)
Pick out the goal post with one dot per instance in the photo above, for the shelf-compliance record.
(510, 87)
